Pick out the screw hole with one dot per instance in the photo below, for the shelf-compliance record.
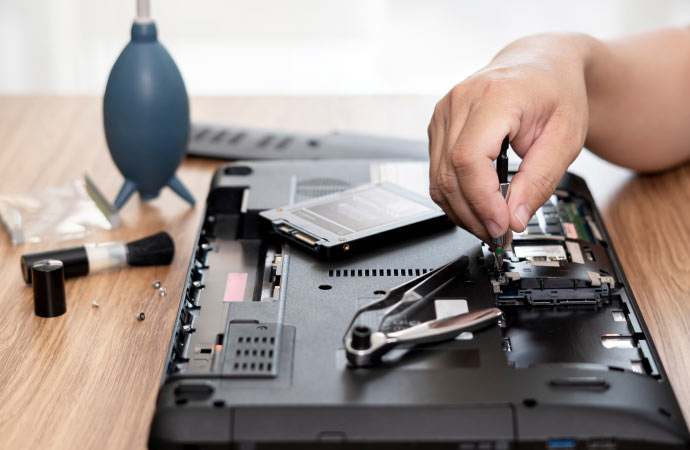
(663, 412)
(529, 402)
(325, 287)
(379, 292)
(180, 401)
(219, 403)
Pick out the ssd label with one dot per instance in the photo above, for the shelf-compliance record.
(360, 211)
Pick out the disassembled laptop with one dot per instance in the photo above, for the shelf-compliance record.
(275, 345)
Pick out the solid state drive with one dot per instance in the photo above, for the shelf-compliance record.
(357, 220)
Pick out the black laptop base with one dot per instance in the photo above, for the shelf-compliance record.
(257, 361)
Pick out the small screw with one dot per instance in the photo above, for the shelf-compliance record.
(205, 246)
(156, 284)
(95, 304)
(162, 292)
(196, 284)
(141, 316)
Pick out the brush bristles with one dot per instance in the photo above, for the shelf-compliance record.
(157, 249)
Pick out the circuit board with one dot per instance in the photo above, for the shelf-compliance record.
(557, 288)
(560, 259)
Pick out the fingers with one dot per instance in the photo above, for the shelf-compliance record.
(455, 205)
(541, 104)
(449, 117)
(472, 160)
(462, 150)
(542, 168)
(437, 139)
(438, 131)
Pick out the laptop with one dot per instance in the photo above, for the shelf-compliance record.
(257, 358)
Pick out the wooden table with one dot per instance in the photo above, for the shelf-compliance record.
(89, 378)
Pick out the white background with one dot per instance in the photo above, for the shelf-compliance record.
(297, 46)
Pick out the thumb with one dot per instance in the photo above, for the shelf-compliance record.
(542, 168)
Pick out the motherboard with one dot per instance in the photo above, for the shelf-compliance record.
(557, 288)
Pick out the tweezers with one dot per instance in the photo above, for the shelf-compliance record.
(365, 348)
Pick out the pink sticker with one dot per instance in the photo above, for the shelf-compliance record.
(234, 287)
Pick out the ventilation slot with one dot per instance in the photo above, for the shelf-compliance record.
(235, 139)
(251, 350)
(198, 134)
(356, 273)
(219, 136)
(318, 187)
(223, 136)
(284, 143)
(265, 141)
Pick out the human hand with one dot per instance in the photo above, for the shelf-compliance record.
(534, 92)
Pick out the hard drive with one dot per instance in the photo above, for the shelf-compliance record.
(357, 219)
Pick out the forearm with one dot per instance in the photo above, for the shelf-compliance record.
(638, 91)
(627, 100)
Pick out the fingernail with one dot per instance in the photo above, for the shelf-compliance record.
(522, 214)
(493, 228)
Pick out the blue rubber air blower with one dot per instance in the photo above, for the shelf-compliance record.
(146, 114)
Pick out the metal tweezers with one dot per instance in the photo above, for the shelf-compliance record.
(365, 348)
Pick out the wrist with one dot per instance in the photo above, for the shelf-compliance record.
(575, 50)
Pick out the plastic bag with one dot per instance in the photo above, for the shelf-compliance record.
(69, 211)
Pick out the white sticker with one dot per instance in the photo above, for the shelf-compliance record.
(546, 263)
(452, 307)
(570, 230)
(575, 252)
(540, 252)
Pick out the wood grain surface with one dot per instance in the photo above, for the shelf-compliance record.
(89, 378)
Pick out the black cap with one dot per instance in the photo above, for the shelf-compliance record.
(48, 278)
(361, 338)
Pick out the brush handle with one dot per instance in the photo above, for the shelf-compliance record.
(157, 249)
(74, 260)
(78, 261)
(106, 255)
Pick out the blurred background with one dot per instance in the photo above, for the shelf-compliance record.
(302, 47)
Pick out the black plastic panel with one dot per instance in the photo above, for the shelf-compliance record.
(588, 373)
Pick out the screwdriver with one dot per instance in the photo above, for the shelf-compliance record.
(500, 242)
